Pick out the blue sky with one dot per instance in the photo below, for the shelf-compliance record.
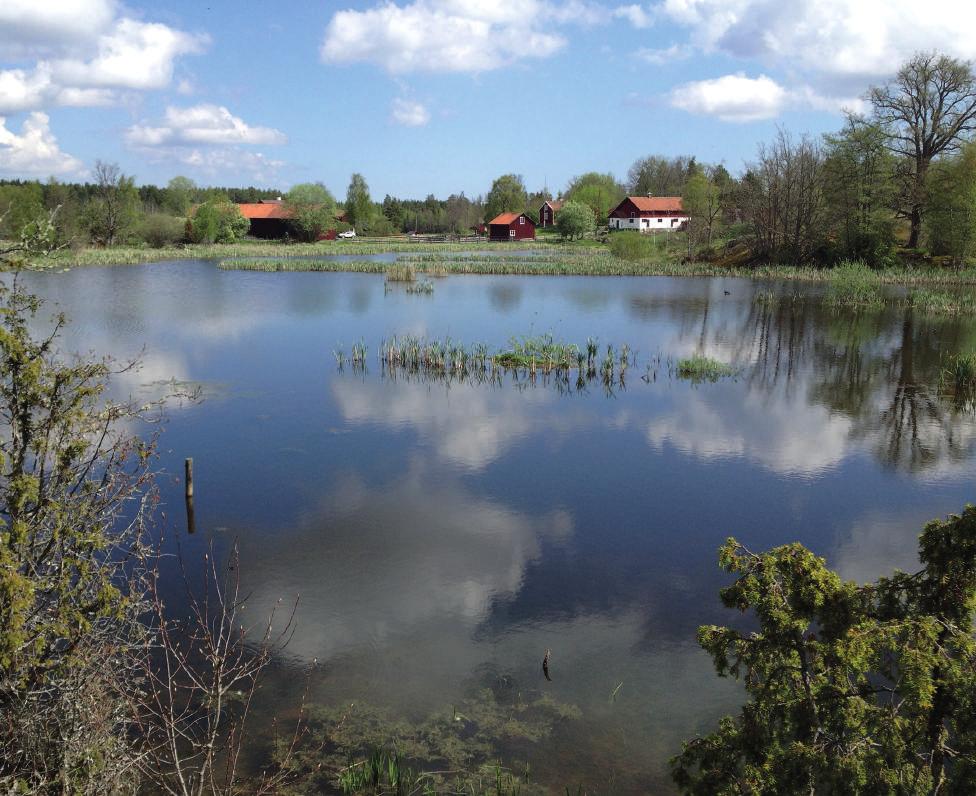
(435, 96)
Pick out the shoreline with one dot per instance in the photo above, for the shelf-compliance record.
(547, 259)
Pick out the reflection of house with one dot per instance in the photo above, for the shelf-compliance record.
(649, 214)
(547, 213)
(511, 226)
(268, 219)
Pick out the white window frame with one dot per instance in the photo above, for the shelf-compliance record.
(511, 233)
(521, 219)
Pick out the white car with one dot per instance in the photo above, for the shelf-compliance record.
(349, 233)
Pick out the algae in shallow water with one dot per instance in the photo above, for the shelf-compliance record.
(458, 749)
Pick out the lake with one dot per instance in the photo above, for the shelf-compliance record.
(443, 536)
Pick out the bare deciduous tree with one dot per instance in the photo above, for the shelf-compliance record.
(199, 679)
(782, 197)
(112, 211)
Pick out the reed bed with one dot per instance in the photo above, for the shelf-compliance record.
(854, 285)
(939, 302)
(401, 272)
(135, 255)
(562, 364)
(494, 258)
(334, 266)
(699, 368)
(959, 374)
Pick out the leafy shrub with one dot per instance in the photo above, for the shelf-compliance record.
(632, 246)
(575, 220)
(218, 221)
(159, 230)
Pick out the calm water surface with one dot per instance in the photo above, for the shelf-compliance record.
(442, 536)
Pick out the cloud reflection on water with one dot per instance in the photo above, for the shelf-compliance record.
(376, 562)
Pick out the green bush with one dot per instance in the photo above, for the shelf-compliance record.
(629, 245)
(575, 220)
(159, 230)
(218, 221)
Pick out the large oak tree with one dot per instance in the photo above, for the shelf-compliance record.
(928, 109)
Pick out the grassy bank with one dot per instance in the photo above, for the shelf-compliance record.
(486, 258)
(135, 255)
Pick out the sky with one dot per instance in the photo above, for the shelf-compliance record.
(436, 96)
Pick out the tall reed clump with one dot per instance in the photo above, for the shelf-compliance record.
(401, 272)
(939, 302)
(959, 373)
(853, 284)
(699, 368)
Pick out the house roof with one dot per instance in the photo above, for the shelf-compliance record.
(657, 204)
(556, 206)
(264, 210)
(507, 218)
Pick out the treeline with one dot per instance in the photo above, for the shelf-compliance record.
(901, 175)
(112, 210)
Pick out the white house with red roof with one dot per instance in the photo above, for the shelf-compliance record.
(648, 214)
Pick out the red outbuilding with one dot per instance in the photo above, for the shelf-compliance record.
(547, 213)
(271, 219)
(511, 226)
(268, 219)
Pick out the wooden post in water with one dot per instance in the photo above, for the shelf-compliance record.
(190, 519)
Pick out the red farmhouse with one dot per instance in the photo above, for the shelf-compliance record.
(649, 214)
(511, 226)
(547, 213)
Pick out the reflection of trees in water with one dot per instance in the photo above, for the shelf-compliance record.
(879, 369)
(917, 427)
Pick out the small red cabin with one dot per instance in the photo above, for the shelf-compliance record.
(511, 226)
(547, 213)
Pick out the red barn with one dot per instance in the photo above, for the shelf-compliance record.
(268, 219)
(649, 214)
(547, 213)
(511, 226)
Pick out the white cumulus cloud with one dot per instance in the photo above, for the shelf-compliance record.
(732, 98)
(636, 15)
(35, 151)
(42, 27)
(861, 38)
(828, 51)
(409, 113)
(202, 124)
(451, 35)
(82, 53)
(132, 55)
